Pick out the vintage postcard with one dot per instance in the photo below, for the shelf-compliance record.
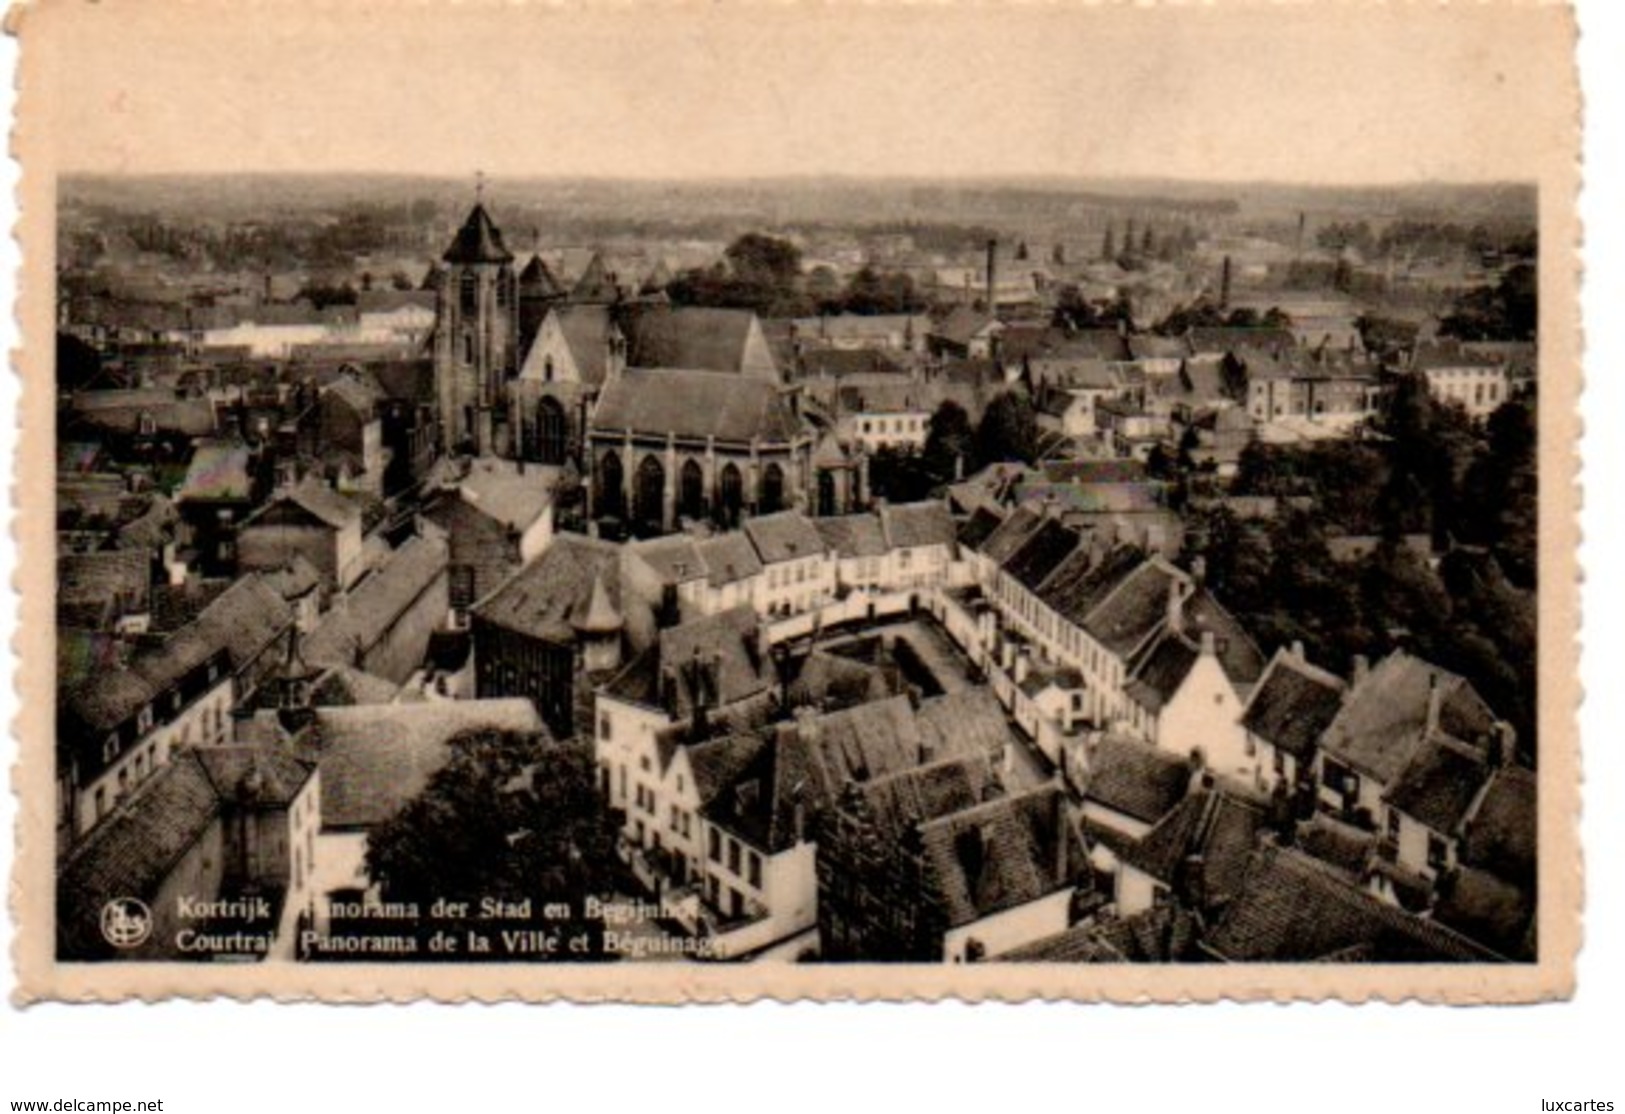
(690, 502)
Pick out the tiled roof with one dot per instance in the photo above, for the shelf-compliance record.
(375, 758)
(969, 721)
(716, 763)
(1501, 834)
(785, 536)
(121, 411)
(975, 530)
(293, 580)
(1161, 934)
(1085, 579)
(374, 605)
(345, 685)
(1344, 847)
(695, 404)
(688, 337)
(499, 489)
(995, 856)
(905, 799)
(714, 660)
(1239, 340)
(963, 324)
(318, 500)
(729, 558)
(1293, 704)
(1161, 669)
(675, 558)
(1383, 722)
(852, 535)
(1439, 785)
(1290, 909)
(1239, 655)
(831, 681)
(123, 575)
(1041, 554)
(915, 524)
(1489, 910)
(1217, 824)
(1011, 534)
(477, 241)
(544, 598)
(1135, 778)
(841, 363)
(253, 776)
(1133, 609)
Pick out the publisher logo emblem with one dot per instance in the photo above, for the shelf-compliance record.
(126, 922)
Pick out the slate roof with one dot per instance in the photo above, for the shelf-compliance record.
(548, 596)
(374, 759)
(1216, 823)
(316, 499)
(784, 536)
(697, 405)
(1343, 847)
(976, 529)
(374, 605)
(908, 525)
(1383, 722)
(716, 763)
(1290, 909)
(852, 535)
(1041, 554)
(969, 721)
(1135, 778)
(477, 241)
(704, 339)
(537, 278)
(120, 411)
(1024, 849)
(1293, 705)
(1439, 785)
(729, 558)
(1161, 669)
(1011, 534)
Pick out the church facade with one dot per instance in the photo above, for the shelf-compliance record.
(672, 415)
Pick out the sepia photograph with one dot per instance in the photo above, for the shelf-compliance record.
(660, 503)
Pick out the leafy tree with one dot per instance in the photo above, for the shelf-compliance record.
(949, 439)
(1009, 430)
(509, 817)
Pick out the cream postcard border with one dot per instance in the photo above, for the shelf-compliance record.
(32, 887)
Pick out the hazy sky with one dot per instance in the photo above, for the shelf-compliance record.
(1351, 94)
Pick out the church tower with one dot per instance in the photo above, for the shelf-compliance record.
(476, 337)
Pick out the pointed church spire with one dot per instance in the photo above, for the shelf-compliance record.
(478, 241)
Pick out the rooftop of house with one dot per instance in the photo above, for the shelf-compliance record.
(1288, 908)
(548, 597)
(974, 531)
(1501, 833)
(711, 662)
(1001, 854)
(673, 558)
(1161, 934)
(1293, 704)
(910, 525)
(373, 606)
(374, 759)
(506, 491)
(784, 536)
(852, 535)
(1135, 778)
(1134, 608)
(1440, 785)
(316, 499)
(132, 851)
(1216, 826)
(1385, 718)
(729, 558)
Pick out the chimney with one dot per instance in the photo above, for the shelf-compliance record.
(1209, 647)
(1176, 608)
(1362, 668)
(992, 274)
(1434, 700)
(1199, 570)
(1295, 651)
(1503, 743)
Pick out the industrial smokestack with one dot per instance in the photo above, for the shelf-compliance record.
(992, 272)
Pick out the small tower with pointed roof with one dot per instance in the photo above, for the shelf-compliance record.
(476, 336)
(599, 628)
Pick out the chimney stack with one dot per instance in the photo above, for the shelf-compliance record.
(1176, 608)
(1434, 700)
(992, 274)
(1362, 668)
(1504, 740)
(1209, 646)
(1295, 651)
